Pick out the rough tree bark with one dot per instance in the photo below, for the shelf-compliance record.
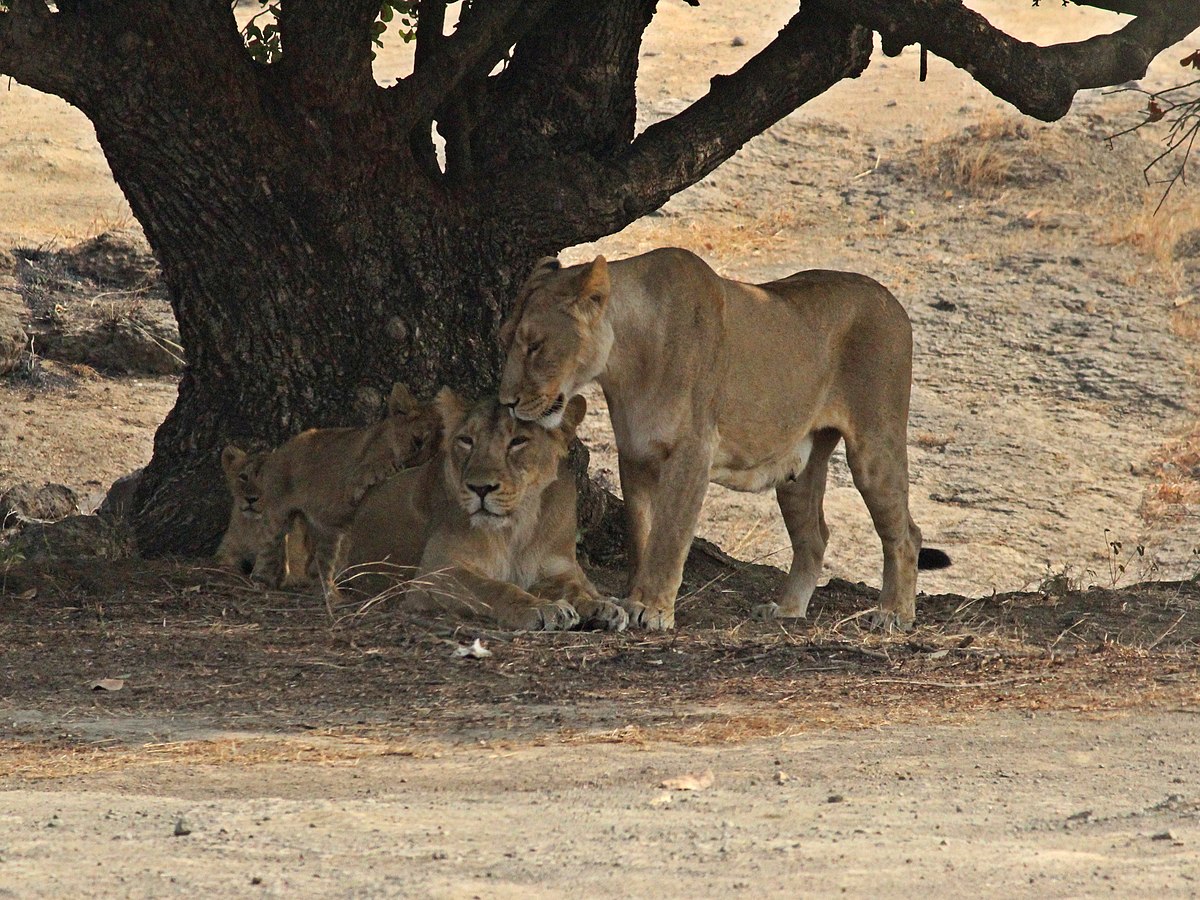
(315, 251)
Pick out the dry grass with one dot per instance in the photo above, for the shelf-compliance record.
(719, 236)
(1156, 235)
(1175, 491)
(977, 160)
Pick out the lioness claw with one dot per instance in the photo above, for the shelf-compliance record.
(608, 616)
(888, 621)
(556, 616)
(642, 616)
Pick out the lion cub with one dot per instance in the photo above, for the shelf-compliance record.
(319, 476)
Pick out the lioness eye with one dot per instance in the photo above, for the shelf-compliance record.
(517, 442)
(464, 441)
(534, 347)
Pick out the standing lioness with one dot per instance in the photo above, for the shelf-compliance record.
(750, 386)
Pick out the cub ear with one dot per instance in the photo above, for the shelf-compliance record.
(401, 402)
(594, 286)
(572, 416)
(451, 407)
(232, 458)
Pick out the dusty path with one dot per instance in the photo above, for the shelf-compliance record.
(997, 805)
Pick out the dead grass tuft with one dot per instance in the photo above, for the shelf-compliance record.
(1156, 235)
(980, 159)
(1175, 489)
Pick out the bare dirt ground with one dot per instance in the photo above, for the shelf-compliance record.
(1022, 744)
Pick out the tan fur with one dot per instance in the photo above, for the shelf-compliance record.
(320, 475)
(510, 555)
(750, 386)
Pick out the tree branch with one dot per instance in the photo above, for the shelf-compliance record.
(813, 52)
(1125, 7)
(480, 41)
(40, 48)
(431, 26)
(327, 50)
(1039, 81)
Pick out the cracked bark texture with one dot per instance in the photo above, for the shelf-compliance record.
(315, 252)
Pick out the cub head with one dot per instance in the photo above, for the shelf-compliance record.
(556, 339)
(415, 428)
(247, 533)
(496, 465)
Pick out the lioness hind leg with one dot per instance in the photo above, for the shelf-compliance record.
(880, 469)
(802, 503)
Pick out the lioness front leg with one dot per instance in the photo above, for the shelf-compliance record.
(596, 612)
(675, 510)
(464, 588)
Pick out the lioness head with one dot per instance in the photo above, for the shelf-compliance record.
(248, 531)
(556, 339)
(497, 465)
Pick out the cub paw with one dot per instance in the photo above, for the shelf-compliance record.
(554, 615)
(604, 615)
(649, 618)
(889, 621)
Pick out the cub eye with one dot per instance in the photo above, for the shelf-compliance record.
(533, 347)
(517, 442)
(465, 442)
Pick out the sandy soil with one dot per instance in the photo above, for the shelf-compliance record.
(1050, 750)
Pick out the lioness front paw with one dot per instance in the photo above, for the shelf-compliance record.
(647, 617)
(889, 621)
(604, 614)
(768, 612)
(553, 615)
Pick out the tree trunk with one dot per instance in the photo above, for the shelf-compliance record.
(304, 285)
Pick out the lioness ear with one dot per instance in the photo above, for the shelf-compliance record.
(594, 286)
(232, 458)
(401, 402)
(572, 416)
(451, 407)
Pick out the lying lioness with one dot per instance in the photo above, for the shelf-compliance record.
(488, 525)
(320, 475)
(750, 386)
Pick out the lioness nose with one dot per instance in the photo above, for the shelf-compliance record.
(483, 489)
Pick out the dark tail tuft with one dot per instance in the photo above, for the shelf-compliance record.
(930, 558)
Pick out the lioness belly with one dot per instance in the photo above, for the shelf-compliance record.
(731, 471)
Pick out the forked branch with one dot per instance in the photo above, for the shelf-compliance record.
(481, 39)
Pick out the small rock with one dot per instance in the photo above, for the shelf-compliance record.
(738, 41)
(182, 827)
(75, 537)
(118, 501)
(26, 503)
(782, 777)
(835, 798)
(1163, 836)
(1188, 245)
